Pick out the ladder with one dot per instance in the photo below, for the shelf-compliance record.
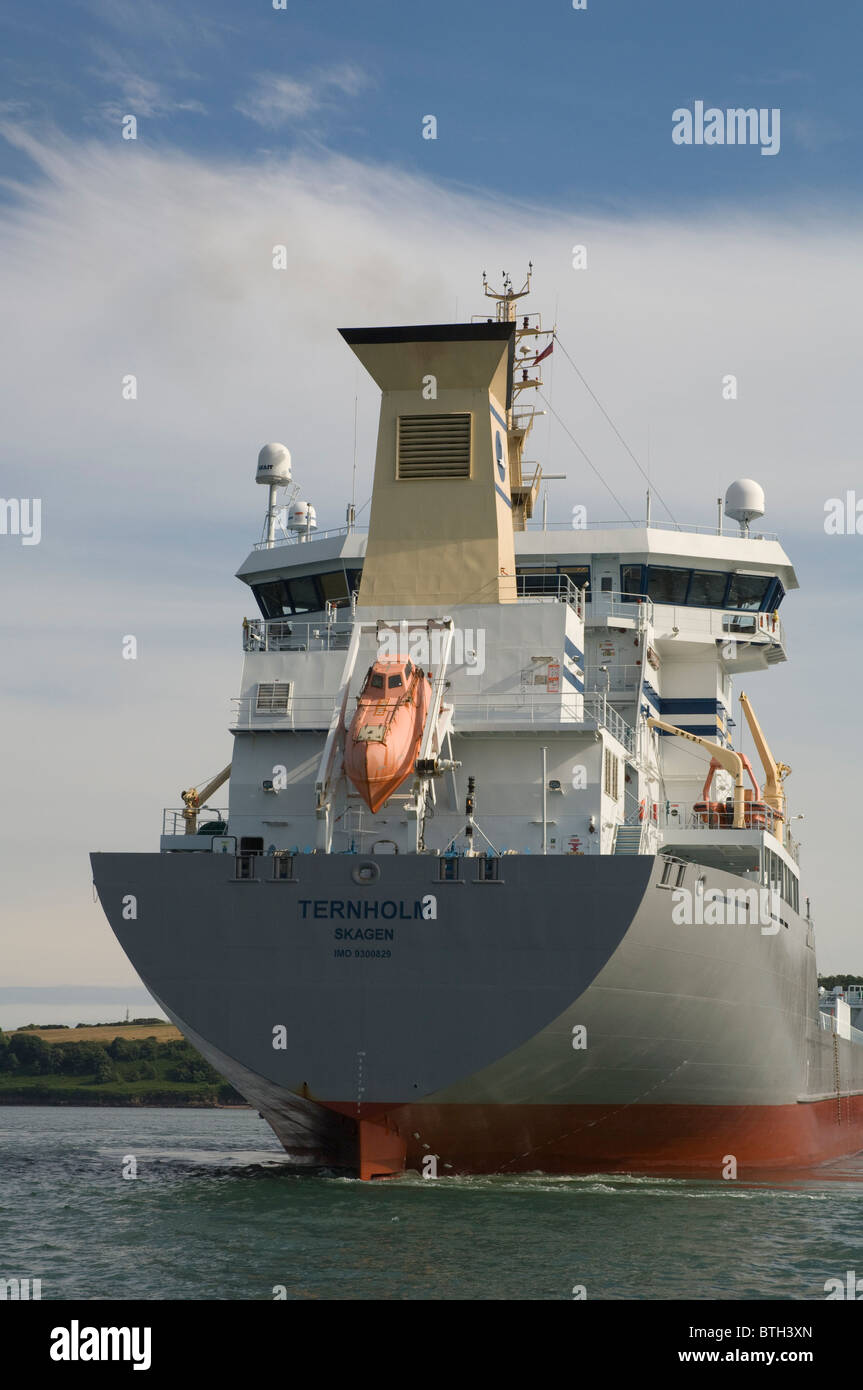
(627, 839)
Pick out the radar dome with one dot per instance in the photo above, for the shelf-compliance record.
(274, 465)
(744, 501)
(302, 517)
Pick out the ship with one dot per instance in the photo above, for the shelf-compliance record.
(494, 892)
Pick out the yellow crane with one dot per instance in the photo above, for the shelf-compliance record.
(774, 772)
(193, 800)
(725, 757)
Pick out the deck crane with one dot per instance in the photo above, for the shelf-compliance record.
(774, 772)
(193, 800)
(725, 757)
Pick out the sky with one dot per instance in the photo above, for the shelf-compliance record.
(258, 127)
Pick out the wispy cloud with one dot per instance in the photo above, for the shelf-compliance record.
(138, 94)
(276, 100)
(815, 132)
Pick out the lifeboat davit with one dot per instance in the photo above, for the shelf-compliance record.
(384, 737)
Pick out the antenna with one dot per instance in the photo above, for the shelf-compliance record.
(274, 471)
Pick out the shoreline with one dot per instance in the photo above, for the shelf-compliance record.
(113, 1103)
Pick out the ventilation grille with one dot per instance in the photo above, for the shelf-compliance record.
(273, 697)
(433, 446)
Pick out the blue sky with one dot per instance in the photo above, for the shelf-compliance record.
(541, 101)
(154, 257)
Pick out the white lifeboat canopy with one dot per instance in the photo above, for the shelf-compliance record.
(744, 502)
(274, 465)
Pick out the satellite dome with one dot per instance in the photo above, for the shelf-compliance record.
(744, 501)
(274, 465)
(302, 517)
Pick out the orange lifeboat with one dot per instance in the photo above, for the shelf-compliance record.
(384, 738)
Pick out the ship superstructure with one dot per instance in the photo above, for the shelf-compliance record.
(493, 885)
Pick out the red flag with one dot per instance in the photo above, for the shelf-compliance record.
(546, 353)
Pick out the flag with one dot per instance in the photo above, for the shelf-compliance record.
(546, 353)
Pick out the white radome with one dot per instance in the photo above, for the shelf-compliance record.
(274, 465)
(744, 501)
(302, 517)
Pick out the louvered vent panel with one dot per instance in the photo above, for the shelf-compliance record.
(274, 697)
(433, 446)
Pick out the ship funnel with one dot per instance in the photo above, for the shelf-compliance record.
(744, 502)
(441, 523)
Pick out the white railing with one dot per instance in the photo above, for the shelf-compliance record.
(285, 635)
(521, 708)
(700, 815)
(827, 1022)
(596, 707)
(302, 538)
(616, 677)
(544, 588)
(731, 531)
(616, 603)
(721, 623)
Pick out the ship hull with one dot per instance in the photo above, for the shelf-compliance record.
(557, 1020)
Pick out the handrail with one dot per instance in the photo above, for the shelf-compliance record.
(727, 532)
(286, 635)
(539, 588)
(174, 822)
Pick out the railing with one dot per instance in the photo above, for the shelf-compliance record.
(173, 821)
(302, 538)
(827, 1022)
(721, 623)
(596, 707)
(732, 532)
(616, 603)
(686, 815)
(285, 635)
(521, 708)
(550, 588)
(617, 677)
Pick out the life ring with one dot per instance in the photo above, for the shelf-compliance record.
(641, 809)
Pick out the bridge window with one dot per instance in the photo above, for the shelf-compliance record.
(748, 591)
(334, 588)
(707, 589)
(632, 581)
(701, 588)
(667, 585)
(579, 575)
(306, 593)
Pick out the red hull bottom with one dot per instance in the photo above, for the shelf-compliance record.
(561, 1139)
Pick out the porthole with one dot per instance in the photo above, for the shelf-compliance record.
(366, 873)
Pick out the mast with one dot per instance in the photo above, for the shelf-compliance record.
(528, 333)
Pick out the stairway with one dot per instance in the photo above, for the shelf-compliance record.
(627, 839)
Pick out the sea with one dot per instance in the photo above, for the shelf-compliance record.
(188, 1204)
